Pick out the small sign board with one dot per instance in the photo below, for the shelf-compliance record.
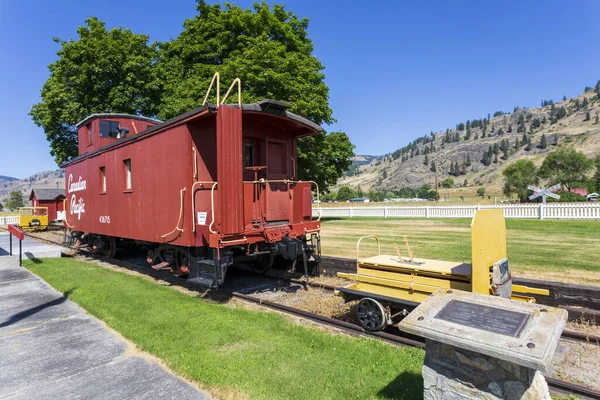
(491, 319)
(202, 217)
(543, 193)
(19, 234)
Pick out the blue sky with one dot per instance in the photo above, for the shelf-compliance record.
(396, 69)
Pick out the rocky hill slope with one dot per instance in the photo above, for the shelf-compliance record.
(41, 180)
(461, 152)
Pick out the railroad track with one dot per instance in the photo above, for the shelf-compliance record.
(556, 386)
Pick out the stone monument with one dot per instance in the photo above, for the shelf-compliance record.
(485, 347)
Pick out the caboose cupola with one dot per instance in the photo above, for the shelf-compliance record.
(98, 130)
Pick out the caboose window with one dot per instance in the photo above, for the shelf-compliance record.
(248, 154)
(90, 136)
(102, 179)
(127, 164)
(109, 129)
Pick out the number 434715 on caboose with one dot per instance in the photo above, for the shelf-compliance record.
(211, 187)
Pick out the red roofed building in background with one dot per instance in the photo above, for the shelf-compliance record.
(51, 198)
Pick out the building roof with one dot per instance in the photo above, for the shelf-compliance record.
(47, 194)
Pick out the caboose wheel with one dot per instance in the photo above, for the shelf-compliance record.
(370, 314)
(110, 248)
(262, 264)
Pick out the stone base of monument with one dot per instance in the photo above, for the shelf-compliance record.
(455, 373)
(485, 347)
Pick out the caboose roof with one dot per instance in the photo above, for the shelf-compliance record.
(271, 107)
(116, 115)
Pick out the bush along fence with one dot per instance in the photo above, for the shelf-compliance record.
(524, 211)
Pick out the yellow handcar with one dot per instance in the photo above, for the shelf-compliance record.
(33, 218)
(389, 286)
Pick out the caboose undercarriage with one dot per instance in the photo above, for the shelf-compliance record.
(208, 266)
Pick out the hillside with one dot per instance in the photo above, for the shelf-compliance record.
(41, 180)
(7, 179)
(459, 152)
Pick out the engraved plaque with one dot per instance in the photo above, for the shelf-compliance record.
(491, 319)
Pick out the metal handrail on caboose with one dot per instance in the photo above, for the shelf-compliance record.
(217, 78)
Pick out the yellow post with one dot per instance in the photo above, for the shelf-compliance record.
(488, 245)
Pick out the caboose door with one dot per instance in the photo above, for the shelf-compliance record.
(277, 192)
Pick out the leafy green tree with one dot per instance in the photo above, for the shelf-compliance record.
(345, 193)
(117, 71)
(270, 51)
(543, 143)
(425, 192)
(566, 166)
(324, 158)
(528, 146)
(448, 182)
(426, 160)
(481, 192)
(596, 120)
(14, 200)
(517, 176)
(1, 206)
(587, 116)
(103, 71)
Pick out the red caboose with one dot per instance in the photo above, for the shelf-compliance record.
(203, 190)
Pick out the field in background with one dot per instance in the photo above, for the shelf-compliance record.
(566, 251)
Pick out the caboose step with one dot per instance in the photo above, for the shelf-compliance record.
(161, 266)
(209, 273)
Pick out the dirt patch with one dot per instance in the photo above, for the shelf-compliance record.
(54, 236)
(578, 363)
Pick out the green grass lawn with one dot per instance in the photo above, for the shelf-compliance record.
(556, 250)
(252, 354)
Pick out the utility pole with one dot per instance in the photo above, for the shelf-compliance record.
(437, 196)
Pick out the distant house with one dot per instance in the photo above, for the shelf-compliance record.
(359, 200)
(581, 191)
(51, 198)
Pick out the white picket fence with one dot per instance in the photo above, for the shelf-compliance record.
(524, 211)
(9, 219)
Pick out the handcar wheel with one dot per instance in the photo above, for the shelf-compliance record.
(370, 314)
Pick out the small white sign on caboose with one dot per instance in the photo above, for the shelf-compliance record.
(202, 217)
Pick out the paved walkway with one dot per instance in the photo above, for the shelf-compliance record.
(31, 248)
(50, 349)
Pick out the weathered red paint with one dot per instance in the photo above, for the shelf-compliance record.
(187, 157)
(229, 170)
